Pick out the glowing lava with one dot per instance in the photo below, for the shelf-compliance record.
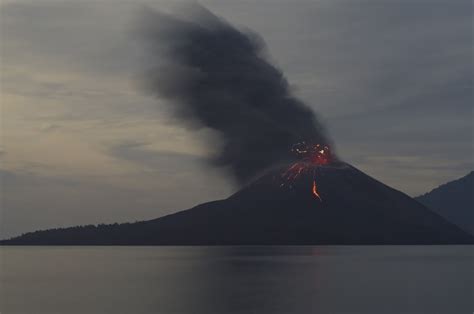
(315, 191)
(314, 154)
(310, 157)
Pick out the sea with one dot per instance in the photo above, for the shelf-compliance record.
(237, 279)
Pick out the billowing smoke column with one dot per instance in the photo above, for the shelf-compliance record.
(217, 76)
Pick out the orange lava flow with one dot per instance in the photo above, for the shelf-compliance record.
(308, 158)
(315, 191)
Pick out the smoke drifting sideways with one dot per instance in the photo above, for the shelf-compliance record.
(216, 76)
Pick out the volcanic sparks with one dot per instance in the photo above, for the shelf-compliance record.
(314, 154)
(310, 158)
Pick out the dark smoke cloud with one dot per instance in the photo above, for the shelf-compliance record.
(217, 76)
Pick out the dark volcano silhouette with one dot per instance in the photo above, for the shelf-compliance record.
(355, 209)
(454, 201)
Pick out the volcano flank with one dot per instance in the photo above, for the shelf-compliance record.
(354, 209)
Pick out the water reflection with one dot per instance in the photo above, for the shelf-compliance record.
(269, 279)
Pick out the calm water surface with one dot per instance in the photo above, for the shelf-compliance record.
(317, 279)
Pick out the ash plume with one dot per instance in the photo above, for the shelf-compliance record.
(217, 76)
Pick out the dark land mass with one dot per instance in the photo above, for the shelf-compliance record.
(355, 209)
(454, 201)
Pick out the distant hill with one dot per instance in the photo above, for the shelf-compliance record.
(355, 209)
(454, 201)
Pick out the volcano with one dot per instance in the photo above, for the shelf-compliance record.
(352, 208)
(454, 201)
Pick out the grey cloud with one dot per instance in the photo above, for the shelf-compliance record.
(394, 54)
(78, 36)
(46, 127)
(79, 54)
(156, 161)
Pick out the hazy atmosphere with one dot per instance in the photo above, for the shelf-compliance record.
(82, 142)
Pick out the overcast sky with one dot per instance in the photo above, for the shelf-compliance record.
(82, 143)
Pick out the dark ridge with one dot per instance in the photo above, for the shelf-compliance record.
(454, 201)
(355, 209)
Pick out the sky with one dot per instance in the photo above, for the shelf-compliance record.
(82, 143)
